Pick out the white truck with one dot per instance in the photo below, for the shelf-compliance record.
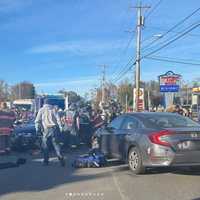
(25, 104)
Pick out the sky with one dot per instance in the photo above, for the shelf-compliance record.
(61, 44)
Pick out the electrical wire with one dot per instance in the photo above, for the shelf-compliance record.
(172, 61)
(129, 42)
(173, 40)
(164, 29)
(124, 73)
(175, 26)
(179, 59)
(124, 52)
(124, 68)
(153, 9)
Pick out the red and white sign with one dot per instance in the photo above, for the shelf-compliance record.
(173, 80)
(141, 106)
(169, 82)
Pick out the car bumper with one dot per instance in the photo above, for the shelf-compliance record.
(158, 156)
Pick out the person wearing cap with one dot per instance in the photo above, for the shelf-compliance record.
(49, 124)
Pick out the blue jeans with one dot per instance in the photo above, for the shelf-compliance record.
(74, 137)
(51, 136)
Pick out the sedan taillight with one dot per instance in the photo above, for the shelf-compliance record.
(158, 137)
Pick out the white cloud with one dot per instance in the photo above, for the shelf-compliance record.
(83, 47)
(70, 82)
(79, 85)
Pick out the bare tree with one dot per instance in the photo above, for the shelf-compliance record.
(23, 90)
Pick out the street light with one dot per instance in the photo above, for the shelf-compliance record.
(153, 39)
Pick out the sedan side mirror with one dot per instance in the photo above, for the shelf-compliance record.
(130, 126)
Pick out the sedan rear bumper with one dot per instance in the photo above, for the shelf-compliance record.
(159, 156)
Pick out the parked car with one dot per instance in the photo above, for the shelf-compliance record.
(24, 137)
(195, 109)
(147, 140)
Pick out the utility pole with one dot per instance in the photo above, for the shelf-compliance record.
(126, 103)
(187, 90)
(103, 84)
(20, 91)
(149, 101)
(140, 24)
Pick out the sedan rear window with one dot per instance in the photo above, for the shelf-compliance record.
(170, 121)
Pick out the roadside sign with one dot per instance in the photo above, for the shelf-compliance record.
(141, 105)
(196, 90)
(169, 82)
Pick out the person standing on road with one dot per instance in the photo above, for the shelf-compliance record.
(7, 118)
(49, 124)
(199, 116)
(73, 125)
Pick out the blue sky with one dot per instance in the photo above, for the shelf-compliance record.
(59, 44)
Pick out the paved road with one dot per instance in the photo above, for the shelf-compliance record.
(35, 182)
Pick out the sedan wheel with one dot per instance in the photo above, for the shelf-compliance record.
(135, 161)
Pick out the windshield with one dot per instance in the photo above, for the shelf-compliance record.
(170, 121)
(27, 107)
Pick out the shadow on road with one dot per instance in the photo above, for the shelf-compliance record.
(173, 170)
(35, 177)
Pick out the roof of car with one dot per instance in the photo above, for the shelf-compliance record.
(151, 113)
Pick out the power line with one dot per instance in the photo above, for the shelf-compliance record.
(124, 68)
(175, 26)
(177, 59)
(124, 73)
(124, 52)
(172, 61)
(153, 9)
(129, 42)
(164, 29)
(171, 41)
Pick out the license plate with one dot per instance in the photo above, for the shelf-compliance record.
(184, 145)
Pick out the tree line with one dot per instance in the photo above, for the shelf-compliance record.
(23, 90)
(123, 93)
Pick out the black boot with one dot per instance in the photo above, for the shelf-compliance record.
(62, 161)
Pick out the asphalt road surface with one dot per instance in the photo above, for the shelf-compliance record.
(33, 181)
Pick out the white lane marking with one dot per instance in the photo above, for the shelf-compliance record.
(123, 197)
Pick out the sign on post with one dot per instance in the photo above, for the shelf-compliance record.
(141, 105)
(169, 82)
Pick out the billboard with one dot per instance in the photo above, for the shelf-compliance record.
(169, 82)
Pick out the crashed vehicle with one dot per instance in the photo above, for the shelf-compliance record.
(24, 137)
